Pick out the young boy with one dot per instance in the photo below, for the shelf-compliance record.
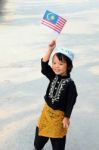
(60, 98)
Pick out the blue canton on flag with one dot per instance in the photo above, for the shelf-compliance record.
(53, 21)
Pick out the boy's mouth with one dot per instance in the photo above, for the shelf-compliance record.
(57, 70)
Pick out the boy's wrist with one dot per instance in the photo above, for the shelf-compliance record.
(50, 51)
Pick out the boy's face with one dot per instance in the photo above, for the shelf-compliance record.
(59, 67)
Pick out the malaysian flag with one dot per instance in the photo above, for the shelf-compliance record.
(53, 21)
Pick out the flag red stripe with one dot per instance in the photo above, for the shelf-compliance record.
(58, 26)
(54, 28)
(62, 19)
(51, 25)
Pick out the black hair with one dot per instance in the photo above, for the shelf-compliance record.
(64, 58)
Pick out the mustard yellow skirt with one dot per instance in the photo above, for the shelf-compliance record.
(50, 123)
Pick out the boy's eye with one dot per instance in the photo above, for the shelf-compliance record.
(61, 64)
(54, 63)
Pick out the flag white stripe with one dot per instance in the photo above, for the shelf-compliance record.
(50, 25)
(56, 25)
(54, 28)
(62, 19)
(59, 24)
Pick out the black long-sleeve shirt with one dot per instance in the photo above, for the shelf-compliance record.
(61, 92)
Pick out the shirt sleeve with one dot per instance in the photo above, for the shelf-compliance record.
(71, 98)
(47, 70)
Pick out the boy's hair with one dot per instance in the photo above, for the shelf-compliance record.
(63, 58)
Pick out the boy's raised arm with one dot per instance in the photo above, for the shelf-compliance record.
(51, 47)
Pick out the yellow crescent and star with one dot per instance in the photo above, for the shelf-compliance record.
(50, 16)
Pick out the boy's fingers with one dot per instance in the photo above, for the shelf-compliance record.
(66, 125)
(52, 43)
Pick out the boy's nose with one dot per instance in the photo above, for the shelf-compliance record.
(57, 66)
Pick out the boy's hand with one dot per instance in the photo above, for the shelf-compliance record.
(66, 122)
(52, 45)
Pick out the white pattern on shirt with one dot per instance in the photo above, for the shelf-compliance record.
(59, 89)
